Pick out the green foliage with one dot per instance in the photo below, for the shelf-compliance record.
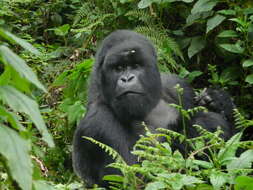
(15, 145)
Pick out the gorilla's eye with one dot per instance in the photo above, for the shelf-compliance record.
(119, 67)
(135, 66)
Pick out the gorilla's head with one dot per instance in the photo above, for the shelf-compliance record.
(127, 77)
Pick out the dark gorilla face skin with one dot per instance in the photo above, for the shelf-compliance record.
(131, 80)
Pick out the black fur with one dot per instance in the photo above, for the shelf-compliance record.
(126, 88)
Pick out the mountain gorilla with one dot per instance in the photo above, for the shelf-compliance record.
(126, 88)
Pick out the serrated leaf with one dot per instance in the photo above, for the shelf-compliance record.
(228, 34)
(244, 161)
(203, 6)
(247, 63)
(22, 103)
(16, 151)
(155, 185)
(234, 48)
(249, 79)
(197, 44)
(218, 179)
(214, 22)
(20, 66)
(14, 39)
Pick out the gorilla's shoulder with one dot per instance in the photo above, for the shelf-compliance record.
(170, 93)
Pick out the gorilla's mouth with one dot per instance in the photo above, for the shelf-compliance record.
(126, 93)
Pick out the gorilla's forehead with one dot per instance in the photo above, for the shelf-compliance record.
(130, 51)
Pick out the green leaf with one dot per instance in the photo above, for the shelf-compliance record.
(22, 103)
(214, 22)
(218, 179)
(192, 75)
(203, 164)
(234, 48)
(16, 151)
(247, 63)
(155, 185)
(62, 30)
(228, 152)
(76, 112)
(249, 79)
(10, 118)
(197, 44)
(20, 66)
(14, 39)
(227, 12)
(115, 178)
(238, 21)
(203, 6)
(145, 3)
(228, 34)
(244, 183)
(243, 162)
(42, 185)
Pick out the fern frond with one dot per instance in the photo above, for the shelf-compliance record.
(142, 15)
(82, 12)
(160, 38)
(113, 153)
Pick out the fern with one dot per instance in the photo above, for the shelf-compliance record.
(166, 45)
(113, 153)
(142, 15)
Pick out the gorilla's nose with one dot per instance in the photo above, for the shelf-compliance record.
(127, 80)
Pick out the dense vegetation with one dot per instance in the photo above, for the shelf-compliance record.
(43, 88)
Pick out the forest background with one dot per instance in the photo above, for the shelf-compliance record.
(43, 87)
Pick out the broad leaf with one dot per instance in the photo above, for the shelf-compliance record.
(203, 6)
(227, 34)
(22, 103)
(243, 162)
(227, 12)
(234, 48)
(14, 39)
(197, 44)
(247, 63)
(42, 185)
(20, 66)
(218, 179)
(214, 22)
(155, 185)
(16, 151)
(249, 79)
(10, 118)
(244, 182)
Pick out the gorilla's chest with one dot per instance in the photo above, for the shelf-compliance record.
(162, 116)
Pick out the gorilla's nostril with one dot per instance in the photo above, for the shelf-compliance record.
(131, 77)
(123, 79)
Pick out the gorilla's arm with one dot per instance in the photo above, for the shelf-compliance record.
(89, 161)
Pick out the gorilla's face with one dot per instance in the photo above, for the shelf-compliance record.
(131, 81)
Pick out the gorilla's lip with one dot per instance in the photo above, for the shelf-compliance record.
(129, 93)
